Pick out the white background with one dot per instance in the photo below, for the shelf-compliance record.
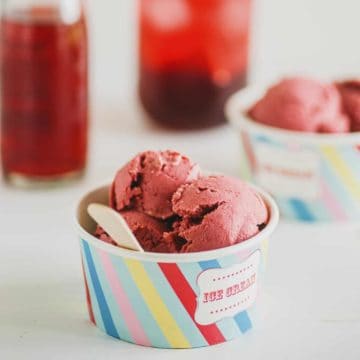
(312, 301)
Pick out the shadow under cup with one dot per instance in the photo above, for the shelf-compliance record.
(172, 300)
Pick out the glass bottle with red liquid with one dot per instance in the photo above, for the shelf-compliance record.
(44, 90)
(193, 55)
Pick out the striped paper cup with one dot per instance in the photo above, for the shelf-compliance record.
(313, 177)
(172, 300)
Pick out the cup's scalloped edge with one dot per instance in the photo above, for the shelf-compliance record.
(239, 103)
(187, 257)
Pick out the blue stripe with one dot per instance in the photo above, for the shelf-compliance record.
(242, 319)
(302, 211)
(105, 313)
(263, 139)
(210, 264)
(116, 315)
(145, 316)
(95, 306)
(286, 210)
(234, 259)
(188, 270)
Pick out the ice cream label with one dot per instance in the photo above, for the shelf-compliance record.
(226, 292)
(284, 172)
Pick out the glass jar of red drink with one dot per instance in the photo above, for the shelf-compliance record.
(44, 90)
(193, 55)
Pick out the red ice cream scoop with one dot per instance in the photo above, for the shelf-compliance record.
(148, 182)
(350, 93)
(302, 104)
(171, 208)
(215, 212)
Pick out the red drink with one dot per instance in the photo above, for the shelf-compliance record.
(44, 95)
(193, 55)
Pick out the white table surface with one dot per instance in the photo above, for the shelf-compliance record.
(312, 300)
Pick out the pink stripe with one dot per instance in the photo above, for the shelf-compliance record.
(125, 306)
(332, 203)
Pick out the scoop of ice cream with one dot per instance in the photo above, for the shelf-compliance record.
(350, 93)
(148, 182)
(148, 231)
(302, 104)
(215, 212)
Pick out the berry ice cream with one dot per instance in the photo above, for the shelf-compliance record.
(148, 182)
(171, 208)
(302, 104)
(215, 212)
(350, 93)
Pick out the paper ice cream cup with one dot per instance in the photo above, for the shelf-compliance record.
(172, 300)
(313, 177)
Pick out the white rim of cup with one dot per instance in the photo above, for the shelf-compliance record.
(236, 111)
(185, 257)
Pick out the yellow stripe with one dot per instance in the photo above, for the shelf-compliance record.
(159, 310)
(343, 170)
